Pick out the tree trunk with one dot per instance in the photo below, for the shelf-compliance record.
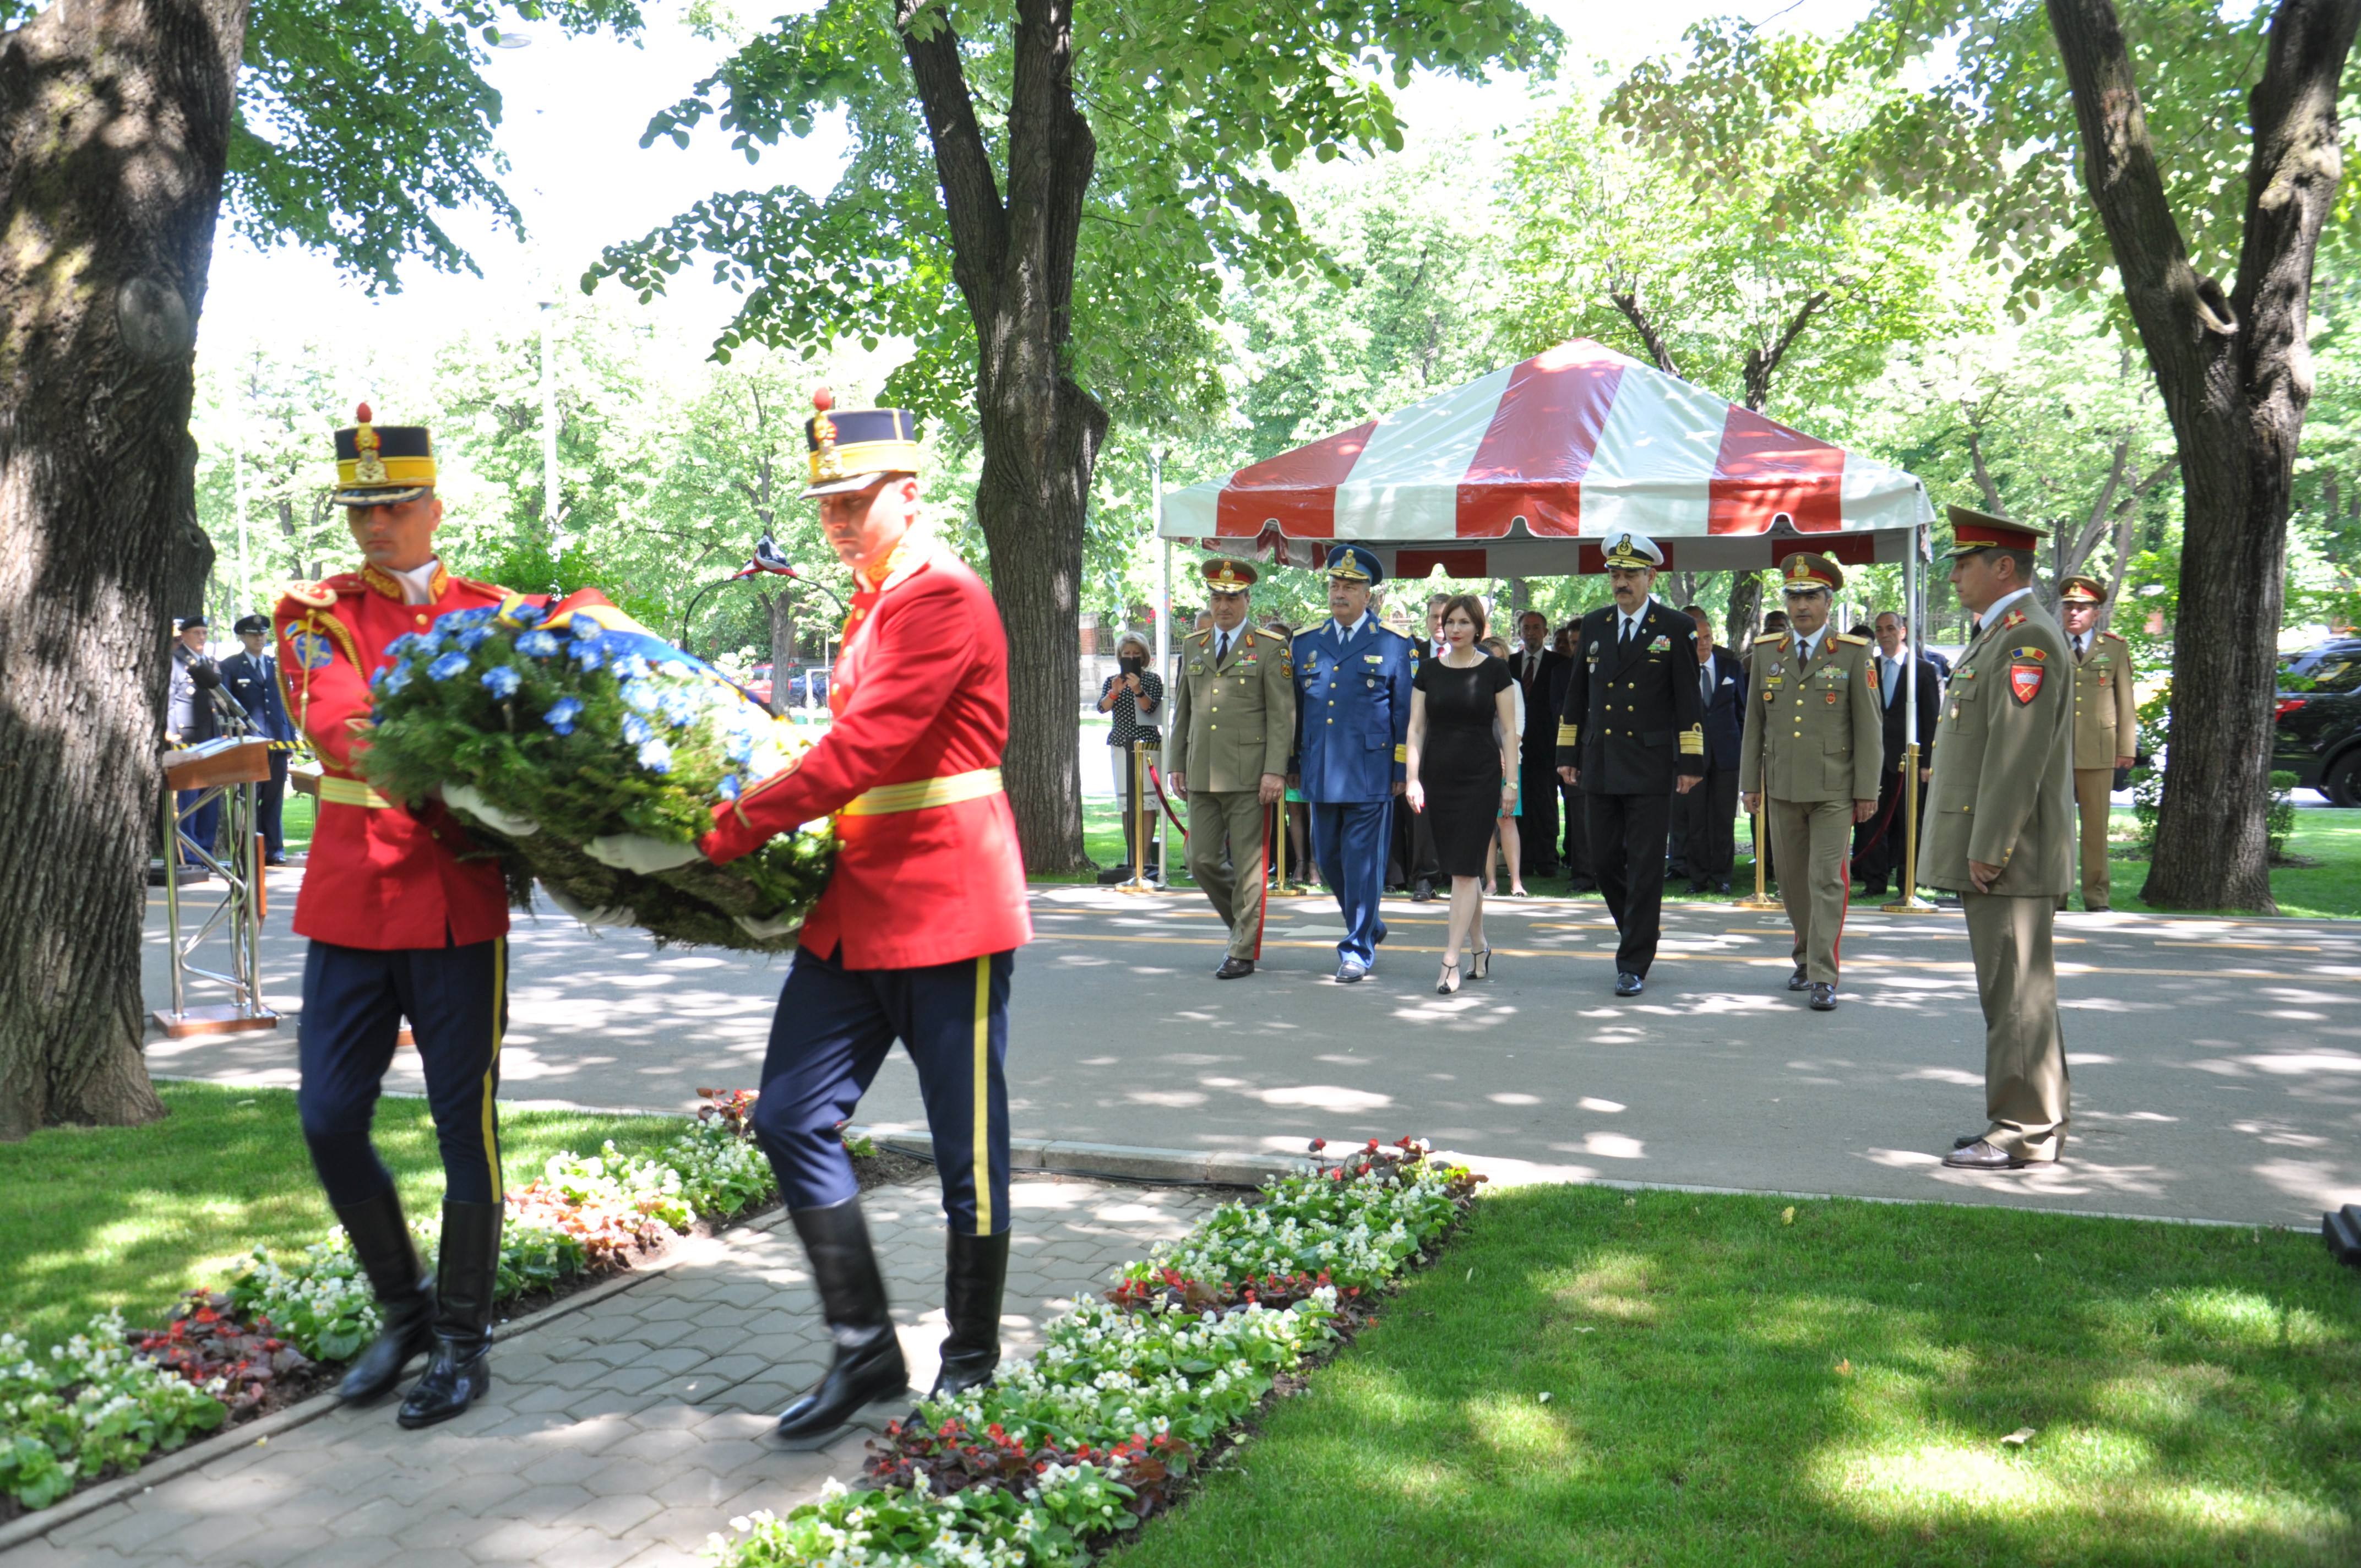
(114, 120)
(783, 647)
(2236, 376)
(1014, 263)
(1745, 611)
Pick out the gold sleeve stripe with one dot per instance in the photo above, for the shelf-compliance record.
(1693, 740)
(1568, 734)
(1401, 755)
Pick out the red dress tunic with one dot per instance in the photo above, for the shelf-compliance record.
(379, 876)
(920, 695)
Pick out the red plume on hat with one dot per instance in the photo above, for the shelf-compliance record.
(361, 415)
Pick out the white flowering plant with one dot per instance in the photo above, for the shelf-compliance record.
(88, 1404)
(1098, 1430)
(566, 727)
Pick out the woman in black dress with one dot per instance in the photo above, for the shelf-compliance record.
(1459, 774)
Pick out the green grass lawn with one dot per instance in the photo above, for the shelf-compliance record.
(2330, 890)
(1725, 1388)
(93, 1218)
(296, 815)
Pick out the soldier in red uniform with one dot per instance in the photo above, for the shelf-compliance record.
(916, 935)
(401, 926)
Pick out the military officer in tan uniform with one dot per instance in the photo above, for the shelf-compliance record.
(2000, 831)
(1233, 725)
(2107, 723)
(1814, 744)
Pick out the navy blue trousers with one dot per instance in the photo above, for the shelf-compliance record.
(354, 1000)
(830, 1036)
(1350, 841)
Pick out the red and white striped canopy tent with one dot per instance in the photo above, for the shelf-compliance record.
(1525, 472)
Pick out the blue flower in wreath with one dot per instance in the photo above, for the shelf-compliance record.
(390, 679)
(587, 655)
(742, 747)
(408, 642)
(638, 730)
(584, 630)
(459, 620)
(728, 788)
(449, 665)
(637, 694)
(503, 680)
(521, 611)
(562, 712)
(655, 756)
(678, 710)
(631, 667)
(472, 636)
(538, 644)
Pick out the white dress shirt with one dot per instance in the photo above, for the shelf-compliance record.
(417, 582)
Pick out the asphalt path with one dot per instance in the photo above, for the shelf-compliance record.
(2216, 1062)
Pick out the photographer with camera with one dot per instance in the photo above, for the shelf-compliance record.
(1134, 695)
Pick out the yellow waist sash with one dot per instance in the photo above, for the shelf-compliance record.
(921, 794)
(349, 791)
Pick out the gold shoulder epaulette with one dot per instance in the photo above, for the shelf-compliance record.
(1848, 637)
(1201, 637)
(479, 583)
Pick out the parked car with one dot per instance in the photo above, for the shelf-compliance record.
(2318, 732)
(758, 683)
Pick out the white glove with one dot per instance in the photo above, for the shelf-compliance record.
(764, 930)
(637, 852)
(469, 799)
(615, 915)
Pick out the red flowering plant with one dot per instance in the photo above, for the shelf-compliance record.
(203, 1340)
(949, 1458)
(732, 1110)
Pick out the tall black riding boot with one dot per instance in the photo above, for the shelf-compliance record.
(405, 1296)
(975, 1270)
(868, 1366)
(460, 1369)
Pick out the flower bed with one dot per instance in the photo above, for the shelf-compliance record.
(110, 1396)
(548, 737)
(1062, 1453)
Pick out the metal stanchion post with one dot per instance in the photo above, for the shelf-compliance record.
(1140, 823)
(172, 892)
(1907, 901)
(1762, 899)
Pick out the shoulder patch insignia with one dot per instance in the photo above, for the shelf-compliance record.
(2014, 618)
(2025, 682)
(2036, 654)
(311, 649)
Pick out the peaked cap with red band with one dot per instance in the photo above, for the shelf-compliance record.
(1804, 572)
(1973, 531)
(1229, 577)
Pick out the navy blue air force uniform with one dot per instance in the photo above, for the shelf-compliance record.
(1632, 723)
(1352, 732)
(253, 679)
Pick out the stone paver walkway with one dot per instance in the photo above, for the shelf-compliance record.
(625, 1433)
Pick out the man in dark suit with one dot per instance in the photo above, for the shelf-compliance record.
(1582, 874)
(1633, 735)
(1536, 667)
(1878, 843)
(1704, 842)
(252, 677)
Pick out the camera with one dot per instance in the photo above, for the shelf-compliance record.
(1132, 663)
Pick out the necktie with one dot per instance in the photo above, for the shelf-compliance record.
(1705, 684)
(1223, 652)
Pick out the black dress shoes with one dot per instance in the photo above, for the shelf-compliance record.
(1424, 892)
(1580, 884)
(1796, 982)
(1721, 887)
(1233, 967)
(1982, 1156)
(1699, 885)
(1824, 997)
(1628, 984)
(1872, 889)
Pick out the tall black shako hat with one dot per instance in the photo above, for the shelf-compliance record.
(383, 465)
(854, 449)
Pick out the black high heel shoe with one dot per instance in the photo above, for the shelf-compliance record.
(1479, 966)
(1448, 982)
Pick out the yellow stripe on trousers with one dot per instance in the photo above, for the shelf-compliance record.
(492, 1068)
(980, 1151)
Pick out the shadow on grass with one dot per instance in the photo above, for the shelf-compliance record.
(1727, 1388)
(93, 1218)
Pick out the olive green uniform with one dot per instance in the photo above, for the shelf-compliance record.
(1230, 726)
(2003, 793)
(1815, 741)
(2107, 726)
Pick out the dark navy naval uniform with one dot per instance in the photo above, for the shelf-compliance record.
(1633, 722)
(254, 681)
(1351, 731)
